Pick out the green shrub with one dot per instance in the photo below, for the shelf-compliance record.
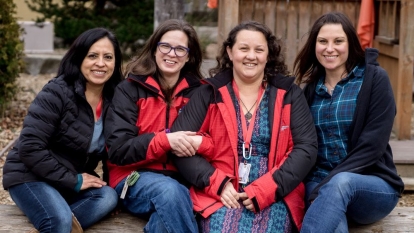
(10, 52)
(129, 20)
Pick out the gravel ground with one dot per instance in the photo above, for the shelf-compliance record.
(29, 86)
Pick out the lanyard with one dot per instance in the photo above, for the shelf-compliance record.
(99, 109)
(248, 131)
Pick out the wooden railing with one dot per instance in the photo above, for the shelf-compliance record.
(395, 40)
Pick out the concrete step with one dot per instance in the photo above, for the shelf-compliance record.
(403, 152)
(42, 63)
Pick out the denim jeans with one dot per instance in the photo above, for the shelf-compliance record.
(164, 200)
(49, 211)
(363, 199)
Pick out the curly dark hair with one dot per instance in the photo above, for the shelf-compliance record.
(275, 61)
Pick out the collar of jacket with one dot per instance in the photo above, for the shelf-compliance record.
(191, 79)
(371, 55)
(277, 80)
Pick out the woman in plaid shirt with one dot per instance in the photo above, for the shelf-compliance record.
(353, 107)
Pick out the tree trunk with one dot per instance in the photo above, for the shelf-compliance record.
(167, 9)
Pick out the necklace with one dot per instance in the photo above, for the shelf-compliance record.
(248, 115)
(329, 87)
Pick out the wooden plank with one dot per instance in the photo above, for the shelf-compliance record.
(404, 161)
(390, 64)
(357, 7)
(408, 182)
(327, 6)
(386, 40)
(281, 24)
(399, 220)
(228, 17)
(270, 15)
(292, 34)
(316, 11)
(391, 18)
(259, 10)
(405, 71)
(403, 151)
(352, 12)
(13, 220)
(391, 50)
(246, 10)
(382, 17)
(340, 6)
(304, 23)
(397, 19)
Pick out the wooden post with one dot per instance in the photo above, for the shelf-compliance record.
(402, 123)
(228, 17)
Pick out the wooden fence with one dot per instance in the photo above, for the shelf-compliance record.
(291, 21)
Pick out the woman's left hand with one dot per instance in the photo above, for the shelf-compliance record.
(90, 181)
(248, 203)
(181, 143)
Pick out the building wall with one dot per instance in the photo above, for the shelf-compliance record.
(23, 13)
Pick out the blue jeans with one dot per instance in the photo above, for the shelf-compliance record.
(363, 199)
(49, 211)
(163, 200)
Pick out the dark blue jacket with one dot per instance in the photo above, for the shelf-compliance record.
(369, 152)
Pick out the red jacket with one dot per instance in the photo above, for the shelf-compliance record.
(292, 153)
(136, 124)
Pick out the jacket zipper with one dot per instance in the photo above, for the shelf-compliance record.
(202, 211)
(167, 117)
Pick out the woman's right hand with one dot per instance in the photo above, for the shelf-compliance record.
(182, 143)
(90, 181)
(229, 196)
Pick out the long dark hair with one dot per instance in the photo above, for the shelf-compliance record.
(275, 62)
(70, 66)
(144, 63)
(307, 67)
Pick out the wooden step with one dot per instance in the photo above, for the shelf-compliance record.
(408, 183)
(403, 151)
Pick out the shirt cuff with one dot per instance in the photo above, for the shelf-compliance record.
(79, 184)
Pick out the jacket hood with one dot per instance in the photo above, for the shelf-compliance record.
(371, 55)
(191, 79)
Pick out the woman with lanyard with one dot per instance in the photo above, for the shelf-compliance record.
(257, 139)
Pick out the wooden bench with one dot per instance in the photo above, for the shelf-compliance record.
(13, 220)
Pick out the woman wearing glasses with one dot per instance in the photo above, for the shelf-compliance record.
(159, 83)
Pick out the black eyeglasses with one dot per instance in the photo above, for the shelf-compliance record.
(165, 48)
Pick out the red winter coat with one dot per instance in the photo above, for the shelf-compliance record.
(292, 153)
(136, 123)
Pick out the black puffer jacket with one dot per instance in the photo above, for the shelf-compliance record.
(53, 144)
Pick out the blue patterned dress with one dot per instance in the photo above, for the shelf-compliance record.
(274, 218)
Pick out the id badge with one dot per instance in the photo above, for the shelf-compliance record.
(244, 171)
